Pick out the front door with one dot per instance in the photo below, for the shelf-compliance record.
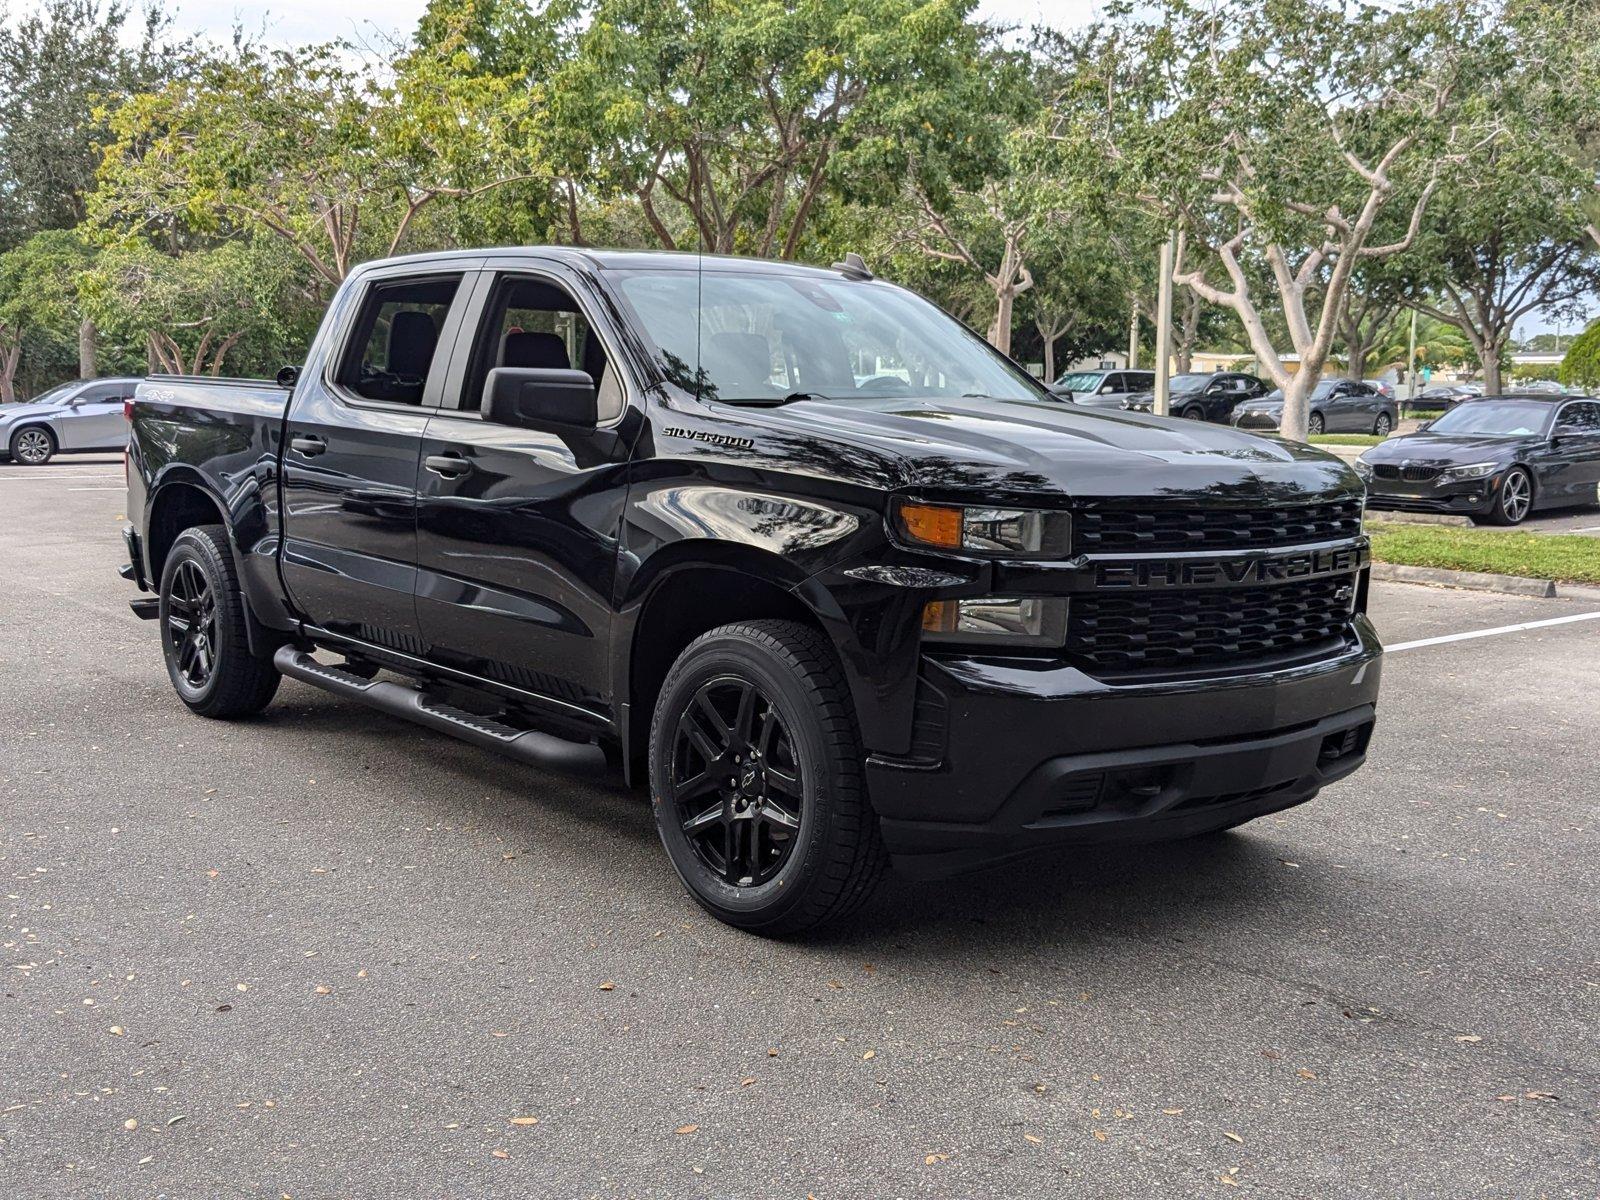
(517, 529)
(350, 463)
(1567, 468)
(95, 421)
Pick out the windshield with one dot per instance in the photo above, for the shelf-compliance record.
(1495, 418)
(1188, 383)
(763, 338)
(60, 392)
(1079, 381)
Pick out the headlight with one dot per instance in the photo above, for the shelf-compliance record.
(1024, 621)
(1472, 471)
(1363, 468)
(1001, 532)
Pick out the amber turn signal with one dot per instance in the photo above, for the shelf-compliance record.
(939, 616)
(932, 524)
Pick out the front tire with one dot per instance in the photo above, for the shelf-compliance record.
(1515, 499)
(1316, 425)
(1193, 413)
(756, 780)
(33, 446)
(203, 635)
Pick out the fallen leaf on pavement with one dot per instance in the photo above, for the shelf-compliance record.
(524, 1120)
(1173, 1112)
(1037, 1141)
(685, 1130)
(607, 986)
(1468, 1037)
(499, 1154)
(870, 1054)
(1099, 1135)
(1231, 1136)
(929, 1159)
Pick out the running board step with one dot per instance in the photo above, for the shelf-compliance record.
(402, 700)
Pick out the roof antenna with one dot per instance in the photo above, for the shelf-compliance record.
(853, 267)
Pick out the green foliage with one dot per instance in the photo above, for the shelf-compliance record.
(55, 60)
(38, 301)
(1581, 366)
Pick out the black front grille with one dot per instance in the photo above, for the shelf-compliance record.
(1409, 474)
(1175, 631)
(1136, 530)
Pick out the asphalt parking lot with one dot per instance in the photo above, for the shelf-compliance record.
(324, 954)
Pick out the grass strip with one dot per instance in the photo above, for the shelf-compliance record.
(1564, 557)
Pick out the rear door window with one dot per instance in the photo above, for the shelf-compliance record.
(395, 339)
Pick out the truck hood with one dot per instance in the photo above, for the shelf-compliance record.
(1024, 449)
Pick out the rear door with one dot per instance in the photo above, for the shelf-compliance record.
(1568, 468)
(353, 434)
(517, 528)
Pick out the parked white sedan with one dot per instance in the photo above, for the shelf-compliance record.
(83, 415)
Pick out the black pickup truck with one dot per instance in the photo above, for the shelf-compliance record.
(845, 586)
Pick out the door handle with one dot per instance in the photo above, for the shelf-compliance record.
(305, 443)
(448, 465)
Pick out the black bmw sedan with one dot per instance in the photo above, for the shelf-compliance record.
(1495, 459)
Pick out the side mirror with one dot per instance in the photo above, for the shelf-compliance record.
(1107, 390)
(552, 399)
(287, 377)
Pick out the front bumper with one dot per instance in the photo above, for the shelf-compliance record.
(1469, 496)
(1032, 757)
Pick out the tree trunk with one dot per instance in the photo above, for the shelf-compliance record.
(1490, 358)
(8, 372)
(1005, 298)
(1357, 366)
(1185, 359)
(1296, 409)
(1049, 359)
(88, 335)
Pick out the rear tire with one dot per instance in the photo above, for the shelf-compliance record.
(1382, 426)
(756, 780)
(33, 446)
(203, 629)
(1316, 425)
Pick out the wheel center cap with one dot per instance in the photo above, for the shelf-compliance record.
(747, 779)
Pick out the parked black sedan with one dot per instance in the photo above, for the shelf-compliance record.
(1337, 406)
(1495, 459)
(1202, 395)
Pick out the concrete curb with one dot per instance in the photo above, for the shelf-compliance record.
(1396, 517)
(1478, 581)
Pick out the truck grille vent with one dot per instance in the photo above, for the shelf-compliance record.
(1126, 530)
(1409, 474)
(1188, 630)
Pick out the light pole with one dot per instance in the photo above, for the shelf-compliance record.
(1163, 329)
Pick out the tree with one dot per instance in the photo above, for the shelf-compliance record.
(56, 63)
(337, 165)
(1374, 299)
(38, 284)
(1306, 137)
(729, 124)
(192, 311)
(1581, 366)
(1509, 239)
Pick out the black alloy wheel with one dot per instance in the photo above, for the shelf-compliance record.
(736, 783)
(757, 779)
(205, 637)
(191, 625)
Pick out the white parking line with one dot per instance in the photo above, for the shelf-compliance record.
(54, 478)
(1481, 633)
(97, 489)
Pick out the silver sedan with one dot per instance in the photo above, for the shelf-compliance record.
(83, 415)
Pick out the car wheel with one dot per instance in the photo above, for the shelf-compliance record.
(203, 635)
(1315, 425)
(1515, 500)
(1382, 426)
(33, 446)
(756, 779)
(1193, 413)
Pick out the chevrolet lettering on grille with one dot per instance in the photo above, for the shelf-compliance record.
(1226, 572)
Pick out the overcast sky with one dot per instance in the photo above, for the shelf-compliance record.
(311, 20)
